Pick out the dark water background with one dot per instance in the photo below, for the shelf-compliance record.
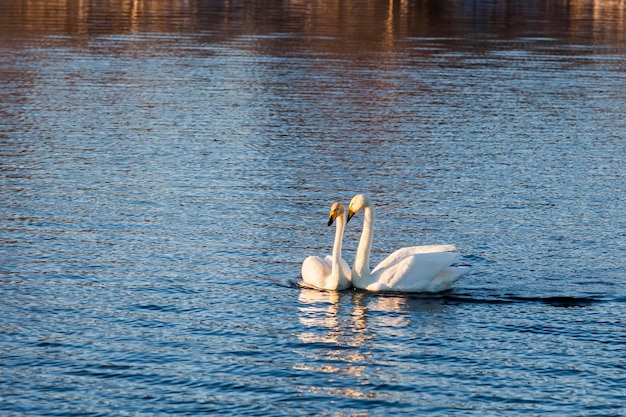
(165, 167)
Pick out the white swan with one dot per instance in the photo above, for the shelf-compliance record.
(412, 269)
(330, 272)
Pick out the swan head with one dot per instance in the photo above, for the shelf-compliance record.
(336, 210)
(358, 203)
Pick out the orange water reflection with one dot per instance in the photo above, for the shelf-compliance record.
(379, 21)
(345, 330)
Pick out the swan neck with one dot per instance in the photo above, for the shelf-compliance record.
(341, 223)
(361, 270)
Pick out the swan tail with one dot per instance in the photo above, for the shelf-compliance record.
(447, 278)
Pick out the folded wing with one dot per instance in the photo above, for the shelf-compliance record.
(416, 269)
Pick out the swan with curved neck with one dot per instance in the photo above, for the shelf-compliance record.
(411, 269)
(330, 272)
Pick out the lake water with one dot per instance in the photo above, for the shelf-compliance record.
(165, 167)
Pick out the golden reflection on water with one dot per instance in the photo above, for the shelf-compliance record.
(380, 21)
(609, 20)
(321, 309)
(344, 339)
(321, 312)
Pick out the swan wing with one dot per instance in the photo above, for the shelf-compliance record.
(404, 253)
(315, 269)
(317, 272)
(412, 273)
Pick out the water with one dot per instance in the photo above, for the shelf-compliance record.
(165, 167)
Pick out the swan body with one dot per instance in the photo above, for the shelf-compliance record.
(330, 272)
(411, 269)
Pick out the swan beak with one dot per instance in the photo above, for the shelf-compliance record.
(331, 219)
(350, 214)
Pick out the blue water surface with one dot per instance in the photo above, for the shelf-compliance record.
(165, 167)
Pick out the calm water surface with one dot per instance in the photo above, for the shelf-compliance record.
(165, 167)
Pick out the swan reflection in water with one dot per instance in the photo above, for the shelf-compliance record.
(343, 330)
(332, 341)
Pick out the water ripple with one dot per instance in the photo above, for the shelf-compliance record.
(165, 168)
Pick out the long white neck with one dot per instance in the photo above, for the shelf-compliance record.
(361, 268)
(341, 224)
